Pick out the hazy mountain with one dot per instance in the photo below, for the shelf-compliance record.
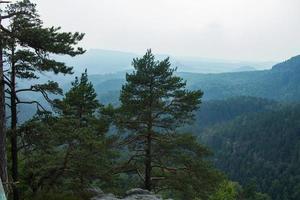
(279, 83)
(244, 69)
(292, 65)
(99, 61)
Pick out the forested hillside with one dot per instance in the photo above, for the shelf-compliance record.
(261, 147)
(221, 111)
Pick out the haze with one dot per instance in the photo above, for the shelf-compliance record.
(260, 30)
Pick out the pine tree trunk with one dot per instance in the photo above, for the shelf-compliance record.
(3, 160)
(14, 138)
(148, 166)
(148, 151)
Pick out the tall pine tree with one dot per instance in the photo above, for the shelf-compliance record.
(154, 105)
(28, 46)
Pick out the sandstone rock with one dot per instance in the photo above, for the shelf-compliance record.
(133, 194)
(137, 191)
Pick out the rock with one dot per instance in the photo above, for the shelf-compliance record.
(2, 193)
(137, 191)
(105, 197)
(99, 195)
(133, 194)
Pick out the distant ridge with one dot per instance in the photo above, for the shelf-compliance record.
(291, 64)
(100, 61)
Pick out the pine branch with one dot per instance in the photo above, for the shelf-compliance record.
(38, 105)
(7, 82)
(37, 88)
(169, 169)
(7, 91)
(14, 14)
(141, 175)
(5, 30)
(4, 1)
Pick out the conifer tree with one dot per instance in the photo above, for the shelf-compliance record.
(154, 104)
(3, 157)
(70, 150)
(28, 46)
(80, 101)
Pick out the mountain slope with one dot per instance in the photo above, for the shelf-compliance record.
(264, 147)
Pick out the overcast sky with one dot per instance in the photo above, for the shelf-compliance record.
(258, 30)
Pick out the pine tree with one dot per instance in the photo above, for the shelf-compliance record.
(80, 101)
(70, 150)
(28, 45)
(154, 105)
(3, 157)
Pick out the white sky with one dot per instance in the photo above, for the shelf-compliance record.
(226, 29)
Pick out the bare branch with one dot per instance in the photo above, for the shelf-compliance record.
(14, 14)
(140, 174)
(169, 169)
(4, 29)
(7, 79)
(131, 139)
(38, 105)
(4, 1)
(33, 89)
(8, 91)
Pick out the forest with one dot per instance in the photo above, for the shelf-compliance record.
(182, 135)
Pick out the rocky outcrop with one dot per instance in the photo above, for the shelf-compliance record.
(133, 194)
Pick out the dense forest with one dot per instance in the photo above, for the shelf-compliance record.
(260, 147)
(183, 135)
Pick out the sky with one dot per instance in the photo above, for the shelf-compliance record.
(253, 30)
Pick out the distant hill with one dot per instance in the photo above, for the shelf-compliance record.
(99, 61)
(244, 69)
(291, 65)
(281, 83)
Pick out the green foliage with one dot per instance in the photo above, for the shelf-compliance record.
(221, 111)
(80, 101)
(226, 191)
(154, 104)
(70, 151)
(180, 159)
(28, 48)
(262, 146)
(56, 196)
